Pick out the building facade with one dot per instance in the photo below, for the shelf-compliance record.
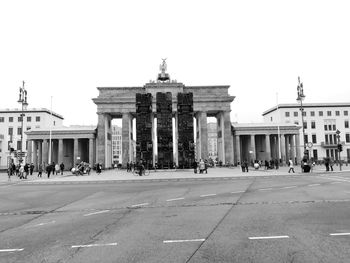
(321, 122)
(11, 128)
(212, 141)
(116, 144)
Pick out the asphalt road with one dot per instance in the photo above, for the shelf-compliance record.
(274, 219)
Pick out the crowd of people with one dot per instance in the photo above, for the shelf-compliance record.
(22, 170)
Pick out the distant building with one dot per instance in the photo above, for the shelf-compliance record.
(11, 129)
(116, 144)
(321, 120)
(212, 140)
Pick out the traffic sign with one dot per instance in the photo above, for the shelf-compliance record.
(310, 144)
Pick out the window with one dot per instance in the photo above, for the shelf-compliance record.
(37, 118)
(326, 138)
(295, 114)
(306, 139)
(29, 119)
(337, 113)
(313, 125)
(334, 127)
(314, 138)
(320, 113)
(305, 125)
(329, 113)
(346, 113)
(287, 113)
(270, 120)
(346, 124)
(19, 119)
(10, 119)
(315, 154)
(19, 130)
(312, 113)
(329, 127)
(325, 127)
(347, 137)
(304, 113)
(2, 119)
(10, 131)
(19, 145)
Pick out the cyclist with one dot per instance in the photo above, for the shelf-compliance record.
(141, 168)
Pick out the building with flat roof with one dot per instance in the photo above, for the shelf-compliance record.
(321, 121)
(11, 129)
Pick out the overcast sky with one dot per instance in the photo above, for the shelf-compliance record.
(65, 49)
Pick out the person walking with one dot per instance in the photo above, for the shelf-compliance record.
(48, 170)
(291, 166)
(201, 166)
(57, 169)
(31, 168)
(62, 168)
(40, 170)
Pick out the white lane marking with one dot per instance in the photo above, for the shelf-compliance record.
(313, 184)
(289, 187)
(95, 213)
(140, 204)
(184, 240)
(265, 189)
(175, 199)
(207, 195)
(238, 192)
(95, 245)
(339, 234)
(41, 224)
(11, 250)
(268, 237)
(335, 182)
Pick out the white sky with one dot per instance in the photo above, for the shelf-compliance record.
(66, 49)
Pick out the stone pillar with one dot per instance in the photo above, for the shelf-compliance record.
(40, 152)
(297, 148)
(227, 138)
(91, 151)
(45, 152)
(176, 140)
(75, 151)
(35, 155)
(126, 138)
(238, 148)
(267, 147)
(203, 135)
(220, 136)
(101, 139)
(29, 151)
(60, 151)
(154, 139)
(292, 147)
(283, 148)
(252, 147)
(131, 148)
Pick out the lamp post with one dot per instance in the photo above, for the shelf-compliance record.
(340, 147)
(300, 98)
(23, 100)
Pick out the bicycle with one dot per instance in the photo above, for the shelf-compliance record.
(144, 172)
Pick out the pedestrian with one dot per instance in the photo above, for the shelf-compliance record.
(21, 171)
(246, 166)
(195, 166)
(48, 170)
(291, 166)
(40, 170)
(57, 169)
(331, 163)
(206, 166)
(326, 163)
(62, 168)
(31, 168)
(26, 170)
(128, 167)
(201, 166)
(98, 168)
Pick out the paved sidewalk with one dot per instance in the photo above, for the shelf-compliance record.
(122, 175)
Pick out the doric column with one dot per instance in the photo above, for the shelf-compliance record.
(220, 136)
(29, 151)
(45, 151)
(75, 151)
(40, 152)
(252, 147)
(203, 135)
(238, 148)
(35, 154)
(101, 139)
(267, 147)
(154, 139)
(175, 143)
(297, 148)
(91, 151)
(126, 140)
(283, 148)
(227, 138)
(292, 147)
(60, 151)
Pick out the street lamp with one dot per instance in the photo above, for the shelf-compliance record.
(23, 100)
(300, 98)
(340, 147)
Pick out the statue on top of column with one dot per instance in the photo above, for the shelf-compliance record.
(163, 76)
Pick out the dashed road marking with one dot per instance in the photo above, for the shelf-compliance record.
(268, 237)
(336, 182)
(42, 224)
(238, 192)
(140, 204)
(265, 189)
(184, 240)
(207, 195)
(314, 185)
(339, 234)
(175, 199)
(289, 187)
(94, 245)
(12, 250)
(95, 213)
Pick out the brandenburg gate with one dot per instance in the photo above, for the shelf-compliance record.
(171, 122)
